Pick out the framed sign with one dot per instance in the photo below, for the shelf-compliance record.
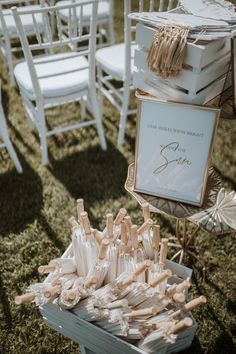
(173, 149)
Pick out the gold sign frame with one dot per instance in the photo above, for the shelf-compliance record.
(140, 178)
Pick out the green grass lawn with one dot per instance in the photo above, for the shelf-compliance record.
(35, 207)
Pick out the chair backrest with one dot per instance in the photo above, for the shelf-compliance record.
(10, 3)
(53, 39)
(130, 27)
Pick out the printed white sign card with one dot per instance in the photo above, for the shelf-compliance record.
(173, 149)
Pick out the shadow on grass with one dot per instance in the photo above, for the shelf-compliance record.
(7, 317)
(224, 342)
(92, 174)
(21, 198)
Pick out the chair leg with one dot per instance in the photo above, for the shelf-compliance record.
(43, 139)
(123, 114)
(7, 141)
(100, 95)
(97, 116)
(13, 155)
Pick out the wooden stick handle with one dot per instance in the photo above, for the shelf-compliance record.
(103, 248)
(73, 222)
(162, 277)
(90, 281)
(28, 297)
(163, 251)
(146, 211)
(145, 226)
(70, 295)
(142, 268)
(85, 222)
(124, 236)
(182, 286)
(128, 222)
(156, 237)
(134, 236)
(109, 225)
(45, 269)
(52, 291)
(131, 278)
(120, 216)
(115, 304)
(179, 298)
(79, 207)
(185, 323)
(97, 236)
(192, 304)
(142, 312)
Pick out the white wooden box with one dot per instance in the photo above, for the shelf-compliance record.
(93, 339)
(201, 79)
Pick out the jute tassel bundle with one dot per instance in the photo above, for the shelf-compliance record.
(167, 51)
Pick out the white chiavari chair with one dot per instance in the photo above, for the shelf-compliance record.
(54, 79)
(104, 21)
(8, 32)
(5, 138)
(116, 63)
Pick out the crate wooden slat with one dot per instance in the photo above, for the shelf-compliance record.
(191, 81)
(197, 55)
(203, 77)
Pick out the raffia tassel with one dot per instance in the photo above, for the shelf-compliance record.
(167, 52)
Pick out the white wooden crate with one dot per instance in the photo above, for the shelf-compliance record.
(93, 339)
(197, 55)
(201, 79)
(164, 91)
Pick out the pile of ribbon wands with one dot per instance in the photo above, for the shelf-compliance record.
(117, 279)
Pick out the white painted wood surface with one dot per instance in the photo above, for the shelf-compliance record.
(197, 55)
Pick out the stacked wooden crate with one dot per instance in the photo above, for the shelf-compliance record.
(204, 73)
(93, 339)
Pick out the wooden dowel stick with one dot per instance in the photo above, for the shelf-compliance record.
(185, 323)
(90, 281)
(162, 277)
(124, 236)
(115, 304)
(142, 312)
(97, 236)
(103, 249)
(85, 222)
(120, 216)
(73, 222)
(193, 304)
(128, 222)
(156, 237)
(182, 286)
(131, 278)
(146, 211)
(51, 292)
(134, 236)
(179, 298)
(145, 226)
(163, 251)
(79, 207)
(28, 297)
(45, 269)
(109, 225)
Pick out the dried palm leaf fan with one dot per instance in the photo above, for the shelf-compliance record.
(167, 51)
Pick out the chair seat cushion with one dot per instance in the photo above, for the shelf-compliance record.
(55, 81)
(112, 60)
(27, 21)
(103, 11)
